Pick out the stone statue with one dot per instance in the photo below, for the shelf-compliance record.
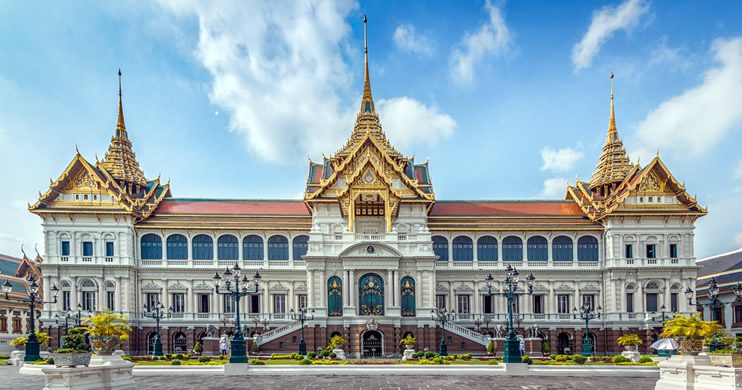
(210, 331)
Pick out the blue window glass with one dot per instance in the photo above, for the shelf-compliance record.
(87, 248)
(151, 246)
(334, 297)
(487, 248)
(512, 249)
(587, 249)
(109, 249)
(177, 247)
(440, 248)
(252, 247)
(203, 247)
(561, 249)
(227, 247)
(278, 248)
(463, 249)
(538, 249)
(407, 288)
(300, 247)
(65, 248)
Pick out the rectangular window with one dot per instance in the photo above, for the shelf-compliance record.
(538, 304)
(674, 251)
(279, 304)
(254, 303)
(293, 340)
(109, 249)
(738, 313)
(463, 304)
(17, 326)
(178, 303)
(652, 302)
(111, 300)
(651, 251)
(65, 248)
(674, 302)
(563, 304)
(88, 300)
(489, 304)
(280, 345)
(440, 301)
(629, 302)
(589, 300)
(629, 251)
(203, 303)
(719, 316)
(152, 300)
(302, 301)
(229, 304)
(65, 300)
(87, 248)
(3, 324)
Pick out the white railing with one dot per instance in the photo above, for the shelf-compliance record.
(109, 259)
(65, 258)
(562, 263)
(151, 262)
(467, 333)
(202, 263)
(278, 332)
(87, 259)
(179, 262)
(370, 237)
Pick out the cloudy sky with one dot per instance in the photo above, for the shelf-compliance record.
(508, 99)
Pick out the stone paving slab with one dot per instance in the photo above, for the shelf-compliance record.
(11, 379)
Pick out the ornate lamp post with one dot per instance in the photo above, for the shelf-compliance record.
(302, 316)
(487, 320)
(663, 310)
(713, 294)
(477, 323)
(443, 316)
(232, 287)
(512, 345)
(586, 314)
(68, 316)
(32, 344)
(157, 312)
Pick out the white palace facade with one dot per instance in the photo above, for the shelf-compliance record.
(371, 251)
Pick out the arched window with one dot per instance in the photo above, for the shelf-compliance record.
(227, 247)
(561, 249)
(407, 288)
(278, 248)
(587, 248)
(538, 249)
(512, 249)
(180, 343)
(203, 247)
(252, 248)
(487, 248)
(151, 247)
(463, 249)
(177, 247)
(440, 248)
(652, 286)
(371, 295)
(334, 297)
(300, 246)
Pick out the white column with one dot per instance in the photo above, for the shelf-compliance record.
(352, 288)
(346, 281)
(397, 296)
(477, 299)
(310, 288)
(323, 289)
(640, 296)
(551, 303)
(419, 288)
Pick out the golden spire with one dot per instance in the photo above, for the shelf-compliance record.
(121, 126)
(612, 131)
(367, 103)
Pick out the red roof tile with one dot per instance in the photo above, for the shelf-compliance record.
(498, 208)
(231, 206)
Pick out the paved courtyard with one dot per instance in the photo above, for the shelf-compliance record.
(11, 379)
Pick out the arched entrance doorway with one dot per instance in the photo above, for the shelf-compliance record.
(371, 295)
(151, 342)
(180, 343)
(372, 344)
(564, 344)
(593, 342)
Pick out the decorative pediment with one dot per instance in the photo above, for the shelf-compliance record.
(370, 249)
(177, 286)
(589, 287)
(202, 286)
(540, 287)
(440, 288)
(564, 287)
(278, 287)
(301, 288)
(151, 286)
(463, 288)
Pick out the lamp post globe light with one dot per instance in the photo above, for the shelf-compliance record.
(443, 316)
(232, 287)
(713, 294)
(586, 313)
(302, 316)
(512, 345)
(157, 311)
(32, 344)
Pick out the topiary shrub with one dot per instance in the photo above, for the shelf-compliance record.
(492, 362)
(619, 359)
(169, 355)
(311, 355)
(179, 356)
(332, 355)
(204, 359)
(552, 356)
(198, 348)
(305, 362)
(645, 359)
(175, 362)
(527, 360)
(561, 358)
(579, 359)
(324, 353)
(50, 361)
(257, 362)
(490, 348)
(429, 354)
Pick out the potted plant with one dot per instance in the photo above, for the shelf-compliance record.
(336, 342)
(106, 330)
(545, 350)
(20, 342)
(197, 349)
(490, 349)
(725, 357)
(75, 352)
(689, 332)
(409, 342)
(629, 341)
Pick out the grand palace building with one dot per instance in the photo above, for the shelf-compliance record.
(371, 252)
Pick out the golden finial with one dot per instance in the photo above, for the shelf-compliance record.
(24, 252)
(612, 131)
(657, 155)
(120, 125)
(367, 103)
(51, 182)
(77, 150)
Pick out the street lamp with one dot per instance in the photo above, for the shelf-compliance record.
(663, 310)
(32, 344)
(302, 316)
(713, 294)
(586, 314)
(157, 312)
(232, 287)
(443, 316)
(68, 316)
(512, 345)
(487, 320)
(477, 323)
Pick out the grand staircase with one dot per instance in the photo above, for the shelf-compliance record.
(278, 332)
(467, 333)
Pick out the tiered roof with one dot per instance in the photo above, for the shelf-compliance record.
(16, 271)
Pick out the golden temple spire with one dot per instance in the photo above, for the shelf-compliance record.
(367, 103)
(120, 125)
(612, 131)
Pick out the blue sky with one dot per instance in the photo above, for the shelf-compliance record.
(509, 100)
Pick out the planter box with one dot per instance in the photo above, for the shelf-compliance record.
(726, 359)
(686, 346)
(104, 345)
(71, 359)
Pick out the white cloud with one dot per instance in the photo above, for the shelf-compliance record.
(406, 39)
(699, 118)
(738, 170)
(406, 120)
(561, 160)
(279, 71)
(491, 38)
(555, 187)
(605, 22)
